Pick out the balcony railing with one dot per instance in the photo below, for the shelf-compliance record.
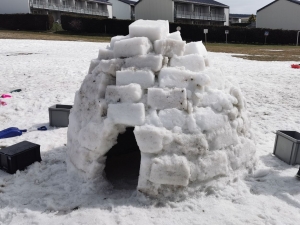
(199, 16)
(67, 8)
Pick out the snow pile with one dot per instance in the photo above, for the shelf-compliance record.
(191, 124)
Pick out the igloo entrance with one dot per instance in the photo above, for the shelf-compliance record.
(123, 161)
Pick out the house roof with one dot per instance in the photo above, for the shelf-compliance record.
(293, 1)
(239, 15)
(128, 2)
(204, 2)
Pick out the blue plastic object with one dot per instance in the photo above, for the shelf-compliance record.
(11, 132)
(42, 128)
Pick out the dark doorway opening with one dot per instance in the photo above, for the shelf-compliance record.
(123, 162)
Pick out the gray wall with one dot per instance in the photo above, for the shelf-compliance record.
(155, 10)
(14, 6)
(280, 15)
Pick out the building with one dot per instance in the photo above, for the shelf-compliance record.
(208, 12)
(238, 18)
(279, 14)
(123, 9)
(57, 7)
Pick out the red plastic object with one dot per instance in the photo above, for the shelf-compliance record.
(5, 96)
(295, 66)
(3, 103)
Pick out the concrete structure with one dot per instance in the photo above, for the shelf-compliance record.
(279, 14)
(238, 18)
(186, 11)
(57, 7)
(123, 9)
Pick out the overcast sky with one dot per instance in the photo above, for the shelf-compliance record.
(245, 6)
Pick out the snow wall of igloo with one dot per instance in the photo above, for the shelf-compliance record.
(190, 123)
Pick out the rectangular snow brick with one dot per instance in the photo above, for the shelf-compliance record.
(177, 77)
(173, 170)
(131, 93)
(195, 48)
(109, 66)
(152, 62)
(154, 30)
(193, 62)
(132, 47)
(117, 38)
(105, 53)
(149, 138)
(19, 156)
(129, 114)
(169, 47)
(145, 78)
(93, 64)
(159, 98)
(175, 36)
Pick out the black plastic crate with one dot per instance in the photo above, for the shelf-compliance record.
(59, 115)
(287, 146)
(19, 156)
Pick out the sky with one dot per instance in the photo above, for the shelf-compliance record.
(245, 6)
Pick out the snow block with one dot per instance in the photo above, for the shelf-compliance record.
(145, 78)
(172, 117)
(105, 53)
(132, 47)
(109, 66)
(94, 63)
(131, 93)
(175, 36)
(192, 62)
(154, 30)
(149, 138)
(129, 114)
(195, 48)
(117, 38)
(159, 98)
(173, 170)
(169, 47)
(178, 77)
(152, 62)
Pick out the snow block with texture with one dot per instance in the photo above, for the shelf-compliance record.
(195, 48)
(154, 30)
(117, 38)
(176, 77)
(149, 138)
(109, 66)
(169, 47)
(145, 78)
(105, 53)
(175, 36)
(129, 114)
(132, 47)
(131, 93)
(152, 62)
(172, 117)
(193, 62)
(172, 170)
(94, 63)
(159, 98)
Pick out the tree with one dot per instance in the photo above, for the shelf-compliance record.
(251, 19)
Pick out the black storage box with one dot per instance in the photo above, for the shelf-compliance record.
(287, 146)
(19, 156)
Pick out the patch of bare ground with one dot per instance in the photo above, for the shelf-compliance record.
(259, 52)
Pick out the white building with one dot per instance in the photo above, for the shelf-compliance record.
(239, 18)
(123, 9)
(57, 7)
(279, 14)
(208, 12)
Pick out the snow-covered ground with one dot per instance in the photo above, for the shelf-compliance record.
(49, 72)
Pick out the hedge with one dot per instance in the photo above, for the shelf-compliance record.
(189, 32)
(26, 21)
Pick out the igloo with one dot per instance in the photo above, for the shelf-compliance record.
(189, 122)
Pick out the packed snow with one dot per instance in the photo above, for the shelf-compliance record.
(50, 72)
